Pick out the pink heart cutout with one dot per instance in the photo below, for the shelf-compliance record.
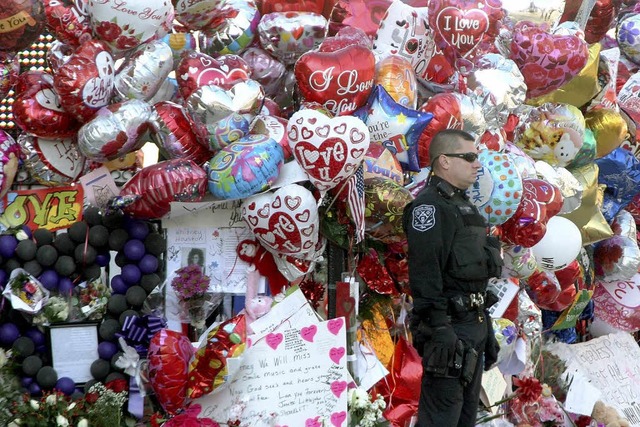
(336, 354)
(337, 387)
(312, 422)
(274, 340)
(308, 332)
(334, 325)
(337, 418)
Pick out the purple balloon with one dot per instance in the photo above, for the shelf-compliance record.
(66, 385)
(137, 229)
(26, 381)
(9, 332)
(118, 286)
(106, 350)
(49, 279)
(36, 336)
(103, 259)
(4, 277)
(34, 388)
(8, 244)
(148, 264)
(65, 286)
(131, 274)
(134, 250)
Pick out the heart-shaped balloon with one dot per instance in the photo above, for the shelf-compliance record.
(68, 20)
(22, 23)
(328, 149)
(125, 24)
(38, 111)
(265, 69)
(362, 14)
(85, 82)
(340, 80)
(9, 157)
(547, 61)
(245, 167)
(287, 35)
(196, 70)
(223, 116)
(9, 70)
(173, 134)
(232, 29)
(143, 73)
(196, 14)
(115, 130)
(627, 35)
(58, 55)
(347, 36)
(404, 31)
(465, 29)
(52, 161)
(156, 186)
(286, 221)
(445, 108)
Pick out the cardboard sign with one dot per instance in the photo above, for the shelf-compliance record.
(611, 364)
(295, 376)
(50, 208)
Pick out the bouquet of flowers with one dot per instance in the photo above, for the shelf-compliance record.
(196, 301)
(25, 292)
(92, 298)
(55, 310)
(364, 410)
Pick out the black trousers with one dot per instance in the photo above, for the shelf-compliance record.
(444, 401)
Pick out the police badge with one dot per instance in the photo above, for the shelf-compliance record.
(424, 217)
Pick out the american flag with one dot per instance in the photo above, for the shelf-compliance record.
(355, 201)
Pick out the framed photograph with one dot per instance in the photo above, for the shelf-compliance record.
(73, 347)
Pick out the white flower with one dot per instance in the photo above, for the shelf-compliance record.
(62, 421)
(51, 399)
(21, 235)
(15, 423)
(83, 423)
(4, 357)
(73, 405)
(34, 405)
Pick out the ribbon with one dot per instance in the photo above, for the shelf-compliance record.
(136, 400)
(138, 331)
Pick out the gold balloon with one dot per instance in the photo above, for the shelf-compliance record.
(588, 217)
(580, 89)
(609, 128)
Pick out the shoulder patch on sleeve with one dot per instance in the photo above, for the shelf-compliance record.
(424, 217)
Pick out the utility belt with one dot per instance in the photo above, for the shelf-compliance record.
(461, 304)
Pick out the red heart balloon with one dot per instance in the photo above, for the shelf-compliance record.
(68, 21)
(269, 6)
(196, 70)
(340, 80)
(465, 29)
(548, 194)
(363, 14)
(37, 109)
(22, 23)
(543, 288)
(85, 81)
(445, 108)
(347, 36)
(547, 61)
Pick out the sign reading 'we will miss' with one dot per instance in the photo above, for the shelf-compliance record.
(292, 376)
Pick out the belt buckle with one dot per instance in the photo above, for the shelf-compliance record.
(476, 300)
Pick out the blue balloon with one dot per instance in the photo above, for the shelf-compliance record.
(395, 126)
(620, 172)
(245, 167)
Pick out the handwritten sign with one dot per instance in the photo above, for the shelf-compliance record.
(293, 376)
(611, 364)
(50, 208)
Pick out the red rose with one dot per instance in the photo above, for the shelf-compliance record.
(108, 31)
(91, 397)
(127, 42)
(117, 385)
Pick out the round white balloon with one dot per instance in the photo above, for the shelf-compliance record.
(560, 245)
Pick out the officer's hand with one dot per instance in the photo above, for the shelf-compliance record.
(491, 348)
(439, 351)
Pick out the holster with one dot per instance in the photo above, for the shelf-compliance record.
(469, 366)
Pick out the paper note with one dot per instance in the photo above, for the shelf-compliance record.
(493, 388)
(99, 187)
(293, 310)
(293, 376)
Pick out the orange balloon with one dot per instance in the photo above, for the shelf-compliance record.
(398, 78)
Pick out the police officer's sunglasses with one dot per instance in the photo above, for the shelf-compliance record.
(469, 157)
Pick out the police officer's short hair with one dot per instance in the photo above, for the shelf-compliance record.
(447, 141)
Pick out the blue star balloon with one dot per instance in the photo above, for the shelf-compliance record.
(620, 172)
(395, 126)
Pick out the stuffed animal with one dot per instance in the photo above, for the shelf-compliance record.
(255, 305)
(608, 415)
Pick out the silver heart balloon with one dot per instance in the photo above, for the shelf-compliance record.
(143, 73)
(52, 161)
(223, 116)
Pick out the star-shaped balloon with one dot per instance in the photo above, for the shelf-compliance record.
(395, 126)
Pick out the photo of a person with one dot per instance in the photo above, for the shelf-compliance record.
(192, 256)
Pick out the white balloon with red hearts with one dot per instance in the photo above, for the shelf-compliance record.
(328, 149)
(285, 221)
(125, 24)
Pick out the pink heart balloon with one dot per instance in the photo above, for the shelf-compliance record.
(547, 61)
(286, 221)
(329, 149)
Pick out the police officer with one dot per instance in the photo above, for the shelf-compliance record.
(450, 259)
